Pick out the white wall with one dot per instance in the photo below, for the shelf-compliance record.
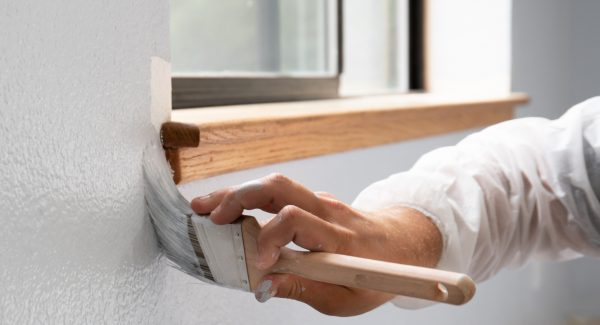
(556, 60)
(586, 41)
(75, 242)
(584, 296)
(542, 55)
(75, 105)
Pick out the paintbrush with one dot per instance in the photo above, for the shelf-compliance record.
(225, 255)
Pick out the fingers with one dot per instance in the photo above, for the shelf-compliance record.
(301, 227)
(327, 298)
(321, 296)
(205, 204)
(270, 193)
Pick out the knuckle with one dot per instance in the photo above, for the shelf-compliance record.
(336, 206)
(278, 179)
(325, 194)
(230, 194)
(223, 192)
(288, 213)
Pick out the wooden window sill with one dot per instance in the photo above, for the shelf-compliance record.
(234, 138)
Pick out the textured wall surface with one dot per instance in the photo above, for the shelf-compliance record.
(75, 242)
(76, 245)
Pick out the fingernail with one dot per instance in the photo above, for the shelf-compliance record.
(203, 198)
(264, 291)
(195, 202)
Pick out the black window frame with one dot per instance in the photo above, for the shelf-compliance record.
(201, 91)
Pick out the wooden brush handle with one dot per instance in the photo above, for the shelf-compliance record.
(401, 279)
(362, 273)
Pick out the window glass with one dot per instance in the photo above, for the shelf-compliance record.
(254, 37)
(375, 47)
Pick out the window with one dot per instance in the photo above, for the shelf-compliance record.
(250, 51)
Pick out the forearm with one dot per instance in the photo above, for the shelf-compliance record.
(506, 194)
(412, 235)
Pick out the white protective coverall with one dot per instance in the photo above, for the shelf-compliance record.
(522, 189)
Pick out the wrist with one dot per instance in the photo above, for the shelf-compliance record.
(412, 236)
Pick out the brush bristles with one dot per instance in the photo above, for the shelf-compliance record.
(198, 250)
(170, 213)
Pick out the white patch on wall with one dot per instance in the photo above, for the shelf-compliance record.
(160, 84)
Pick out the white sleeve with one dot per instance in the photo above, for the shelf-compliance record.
(521, 189)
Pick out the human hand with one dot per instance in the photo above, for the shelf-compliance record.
(319, 222)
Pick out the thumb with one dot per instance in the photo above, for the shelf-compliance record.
(327, 298)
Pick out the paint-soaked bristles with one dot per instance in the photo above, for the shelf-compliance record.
(198, 250)
(170, 213)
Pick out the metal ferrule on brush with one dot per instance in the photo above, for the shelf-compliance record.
(223, 249)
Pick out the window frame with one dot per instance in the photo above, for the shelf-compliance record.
(416, 45)
(192, 91)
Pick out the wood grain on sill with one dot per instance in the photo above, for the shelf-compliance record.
(240, 137)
